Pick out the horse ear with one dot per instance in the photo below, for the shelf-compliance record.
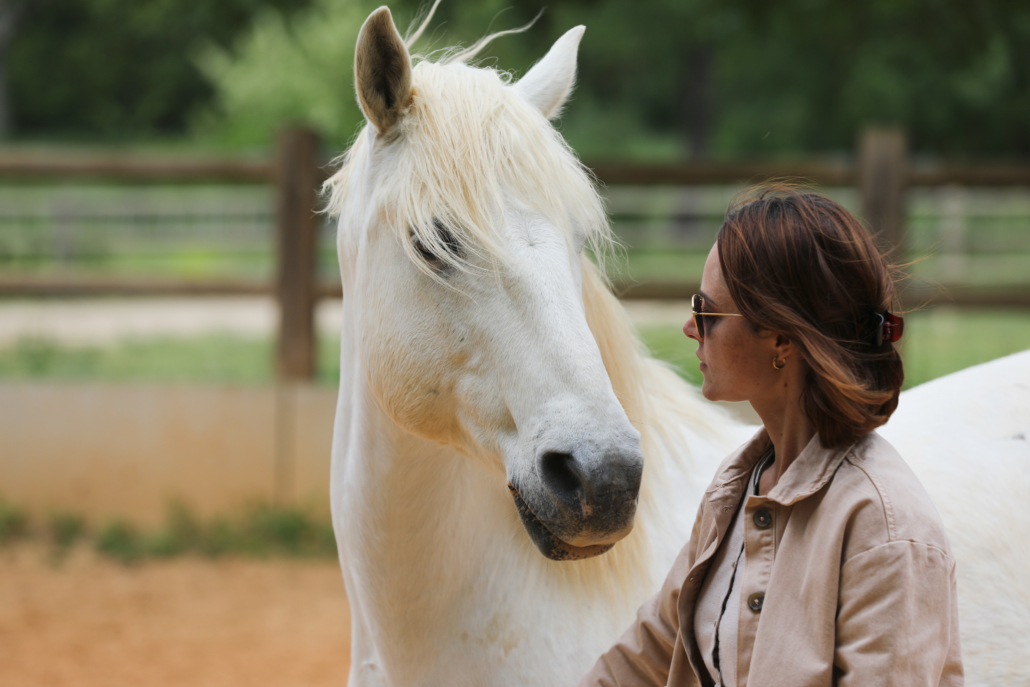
(548, 84)
(382, 71)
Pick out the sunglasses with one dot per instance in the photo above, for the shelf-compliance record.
(697, 305)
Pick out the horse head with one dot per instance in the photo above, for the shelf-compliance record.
(463, 218)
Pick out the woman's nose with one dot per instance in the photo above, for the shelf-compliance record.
(690, 330)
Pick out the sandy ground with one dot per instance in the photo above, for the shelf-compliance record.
(90, 622)
(106, 321)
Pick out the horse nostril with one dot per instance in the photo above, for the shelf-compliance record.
(558, 471)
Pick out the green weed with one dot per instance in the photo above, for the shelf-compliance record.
(14, 523)
(121, 541)
(66, 529)
(261, 530)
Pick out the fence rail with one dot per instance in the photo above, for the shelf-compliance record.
(134, 170)
(824, 174)
(881, 172)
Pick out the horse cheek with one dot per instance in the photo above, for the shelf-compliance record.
(410, 390)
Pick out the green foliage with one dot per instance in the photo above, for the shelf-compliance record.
(261, 530)
(668, 78)
(283, 72)
(659, 79)
(267, 529)
(66, 529)
(117, 68)
(14, 523)
(121, 541)
(803, 75)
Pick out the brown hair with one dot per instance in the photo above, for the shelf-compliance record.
(797, 262)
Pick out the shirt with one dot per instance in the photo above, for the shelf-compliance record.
(718, 605)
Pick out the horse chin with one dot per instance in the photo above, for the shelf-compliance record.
(547, 543)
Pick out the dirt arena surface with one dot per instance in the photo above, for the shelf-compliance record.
(90, 622)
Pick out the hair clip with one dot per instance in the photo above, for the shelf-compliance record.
(889, 327)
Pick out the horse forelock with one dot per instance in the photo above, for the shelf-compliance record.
(467, 142)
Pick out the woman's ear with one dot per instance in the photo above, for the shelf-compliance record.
(784, 346)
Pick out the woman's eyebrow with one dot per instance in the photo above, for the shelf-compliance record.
(708, 299)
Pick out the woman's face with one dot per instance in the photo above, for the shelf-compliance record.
(735, 360)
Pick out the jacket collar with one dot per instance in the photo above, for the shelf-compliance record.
(809, 472)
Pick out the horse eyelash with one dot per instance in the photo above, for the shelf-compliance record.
(447, 240)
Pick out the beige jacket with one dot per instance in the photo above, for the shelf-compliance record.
(849, 582)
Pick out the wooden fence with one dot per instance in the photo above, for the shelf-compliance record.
(882, 174)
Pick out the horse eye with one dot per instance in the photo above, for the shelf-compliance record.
(425, 253)
(447, 239)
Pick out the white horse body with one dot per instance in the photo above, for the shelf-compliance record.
(967, 437)
(477, 345)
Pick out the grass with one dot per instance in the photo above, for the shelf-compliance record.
(942, 340)
(260, 530)
(212, 359)
(937, 341)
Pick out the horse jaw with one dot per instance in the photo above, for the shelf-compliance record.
(548, 84)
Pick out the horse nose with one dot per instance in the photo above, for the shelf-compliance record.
(599, 495)
(563, 479)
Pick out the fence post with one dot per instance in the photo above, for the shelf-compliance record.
(882, 177)
(297, 234)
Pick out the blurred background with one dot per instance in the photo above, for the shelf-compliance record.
(169, 327)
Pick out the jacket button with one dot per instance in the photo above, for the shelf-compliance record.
(763, 519)
(755, 601)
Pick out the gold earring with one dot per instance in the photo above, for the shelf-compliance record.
(782, 363)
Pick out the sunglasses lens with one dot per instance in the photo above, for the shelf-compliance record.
(696, 304)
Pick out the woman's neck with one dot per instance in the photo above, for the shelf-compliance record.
(787, 424)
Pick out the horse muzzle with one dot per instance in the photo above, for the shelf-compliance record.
(575, 510)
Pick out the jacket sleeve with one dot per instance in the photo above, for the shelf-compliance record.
(897, 619)
(642, 655)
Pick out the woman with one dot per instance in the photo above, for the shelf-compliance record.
(816, 558)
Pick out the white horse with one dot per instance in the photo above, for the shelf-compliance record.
(495, 405)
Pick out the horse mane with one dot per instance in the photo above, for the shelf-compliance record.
(466, 137)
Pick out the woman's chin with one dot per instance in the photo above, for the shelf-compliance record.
(707, 391)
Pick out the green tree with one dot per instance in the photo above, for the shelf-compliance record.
(301, 71)
(117, 68)
(806, 74)
(286, 72)
(746, 77)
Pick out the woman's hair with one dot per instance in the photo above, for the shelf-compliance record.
(797, 262)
